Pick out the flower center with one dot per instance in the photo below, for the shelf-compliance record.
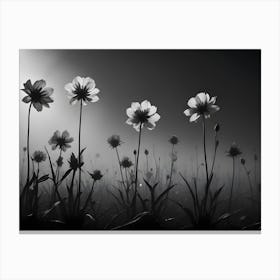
(81, 92)
(141, 116)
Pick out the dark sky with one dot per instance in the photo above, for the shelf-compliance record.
(167, 78)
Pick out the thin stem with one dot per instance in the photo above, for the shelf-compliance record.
(136, 171)
(118, 156)
(205, 162)
(171, 168)
(27, 146)
(250, 184)
(79, 155)
(147, 163)
(232, 183)
(214, 157)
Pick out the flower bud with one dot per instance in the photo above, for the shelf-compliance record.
(242, 161)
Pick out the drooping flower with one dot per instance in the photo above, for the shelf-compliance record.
(61, 141)
(114, 141)
(201, 105)
(39, 156)
(174, 140)
(233, 151)
(83, 89)
(144, 115)
(126, 162)
(96, 175)
(38, 94)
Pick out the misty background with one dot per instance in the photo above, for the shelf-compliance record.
(167, 78)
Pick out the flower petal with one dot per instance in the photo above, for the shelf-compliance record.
(192, 102)
(154, 118)
(69, 87)
(135, 106)
(130, 112)
(94, 91)
(213, 108)
(78, 81)
(48, 91)
(65, 134)
(194, 117)
(40, 84)
(213, 100)
(26, 99)
(128, 121)
(136, 127)
(73, 100)
(94, 98)
(89, 83)
(150, 125)
(189, 112)
(84, 102)
(202, 98)
(145, 105)
(38, 106)
(28, 85)
(152, 110)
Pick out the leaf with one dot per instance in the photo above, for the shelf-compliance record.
(43, 178)
(187, 211)
(163, 193)
(48, 211)
(225, 216)
(189, 187)
(53, 174)
(217, 193)
(65, 175)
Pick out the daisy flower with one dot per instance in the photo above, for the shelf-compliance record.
(142, 115)
(82, 89)
(201, 106)
(38, 94)
(61, 141)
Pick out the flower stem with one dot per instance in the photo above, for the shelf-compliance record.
(232, 183)
(171, 168)
(80, 123)
(205, 160)
(27, 146)
(214, 157)
(136, 169)
(118, 156)
(250, 184)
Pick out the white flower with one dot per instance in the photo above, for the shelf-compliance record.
(82, 89)
(201, 105)
(143, 114)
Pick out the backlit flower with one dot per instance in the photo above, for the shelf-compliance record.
(39, 156)
(61, 141)
(174, 140)
(114, 141)
(96, 175)
(126, 162)
(143, 114)
(201, 105)
(82, 89)
(38, 94)
(233, 151)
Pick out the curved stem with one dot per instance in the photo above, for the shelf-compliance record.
(232, 183)
(214, 157)
(79, 155)
(27, 146)
(118, 156)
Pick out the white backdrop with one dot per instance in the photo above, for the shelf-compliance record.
(146, 24)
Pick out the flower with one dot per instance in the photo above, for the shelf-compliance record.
(59, 161)
(143, 114)
(233, 151)
(201, 105)
(114, 141)
(37, 94)
(96, 175)
(146, 152)
(82, 89)
(242, 160)
(74, 162)
(126, 162)
(39, 156)
(135, 152)
(174, 140)
(62, 141)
